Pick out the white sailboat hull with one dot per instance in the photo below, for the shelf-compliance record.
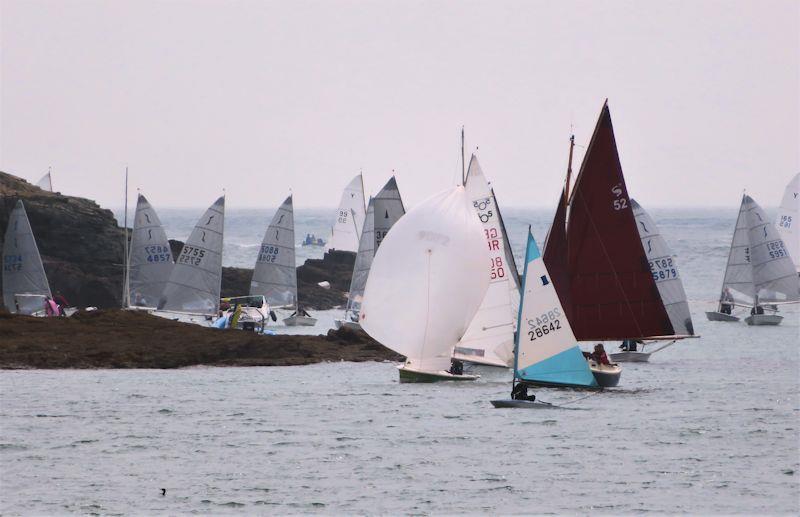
(408, 374)
(763, 319)
(720, 316)
(524, 404)
(347, 324)
(630, 357)
(299, 321)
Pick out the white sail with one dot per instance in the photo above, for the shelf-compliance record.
(45, 182)
(664, 268)
(490, 336)
(514, 280)
(349, 217)
(194, 285)
(366, 252)
(388, 210)
(774, 276)
(546, 349)
(150, 260)
(275, 276)
(23, 272)
(737, 285)
(427, 281)
(788, 223)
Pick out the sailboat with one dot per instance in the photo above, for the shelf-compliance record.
(489, 340)
(760, 274)
(787, 220)
(46, 182)
(275, 274)
(349, 217)
(546, 352)
(426, 282)
(194, 284)
(150, 260)
(664, 267)
(595, 255)
(25, 286)
(383, 211)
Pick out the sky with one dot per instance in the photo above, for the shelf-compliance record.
(262, 98)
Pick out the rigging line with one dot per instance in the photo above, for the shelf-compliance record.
(613, 270)
(584, 397)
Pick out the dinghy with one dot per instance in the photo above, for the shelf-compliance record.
(787, 220)
(489, 340)
(664, 268)
(193, 287)
(150, 262)
(383, 211)
(595, 255)
(434, 257)
(46, 182)
(25, 286)
(775, 280)
(349, 217)
(275, 274)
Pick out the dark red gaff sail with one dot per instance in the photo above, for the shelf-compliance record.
(597, 262)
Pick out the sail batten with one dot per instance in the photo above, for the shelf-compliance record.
(275, 274)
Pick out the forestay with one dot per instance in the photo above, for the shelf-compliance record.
(774, 276)
(787, 221)
(349, 217)
(366, 251)
(388, 210)
(546, 350)
(664, 268)
(194, 285)
(737, 284)
(23, 272)
(490, 336)
(427, 281)
(150, 262)
(275, 276)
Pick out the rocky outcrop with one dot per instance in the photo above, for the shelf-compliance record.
(124, 339)
(80, 243)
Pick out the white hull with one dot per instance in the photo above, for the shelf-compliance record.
(764, 319)
(720, 316)
(299, 321)
(525, 404)
(352, 325)
(630, 357)
(408, 374)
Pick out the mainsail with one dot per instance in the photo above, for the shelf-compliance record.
(774, 276)
(150, 261)
(45, 182)
(737, 283)
(388, 210)
(664, 268)
(787, 221)
(349, 217)
(194, 285)
(489, 338)
(546, 350)
(427, 281)
(23, 272)
(598, 264)
(366, 251)
(275, 276)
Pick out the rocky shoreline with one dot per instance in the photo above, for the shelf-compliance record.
(131, 339)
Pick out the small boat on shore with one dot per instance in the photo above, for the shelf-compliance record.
(312, 240)
(434, 255)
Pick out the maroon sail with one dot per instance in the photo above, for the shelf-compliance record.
(597, 262)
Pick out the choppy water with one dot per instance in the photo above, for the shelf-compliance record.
(709, 426)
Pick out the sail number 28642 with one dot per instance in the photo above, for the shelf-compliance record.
(544, 324)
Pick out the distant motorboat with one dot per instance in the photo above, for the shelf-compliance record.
(313, 240)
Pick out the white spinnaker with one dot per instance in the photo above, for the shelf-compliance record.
(150, 262)
(194, 284)
(23, 272)
(45, 183)
(490, 336)
(739, 272)
(275, 276)
(366, 251)
(388, 210)
(664, 268)
(788, 223)
(427, 281)
(349, 216)
(774, 276)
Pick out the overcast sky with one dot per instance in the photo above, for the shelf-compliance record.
(261, 97)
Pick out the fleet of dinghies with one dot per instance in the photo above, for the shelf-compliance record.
(440, 285)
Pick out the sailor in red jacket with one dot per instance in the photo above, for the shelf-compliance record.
(599, 354)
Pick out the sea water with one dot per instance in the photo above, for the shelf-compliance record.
(710, 425)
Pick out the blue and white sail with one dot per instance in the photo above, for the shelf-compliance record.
(546, 351)
(24, 281)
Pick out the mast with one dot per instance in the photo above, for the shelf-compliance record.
(463, 166)
(125, 285)
(569, 170)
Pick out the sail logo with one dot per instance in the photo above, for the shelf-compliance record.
(483, 206)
